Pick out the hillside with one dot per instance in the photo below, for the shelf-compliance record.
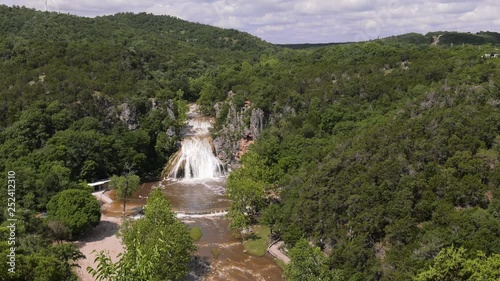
(370, 159)
(445, 38)
(378, 154)
(62, 73)
(83, 99)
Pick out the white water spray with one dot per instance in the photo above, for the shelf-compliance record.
(195, 159)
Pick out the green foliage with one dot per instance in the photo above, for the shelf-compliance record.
(271, 216)
(83, 99)
(158, 247)
(124, 186)
(37, 259)
(247, 197)
(308, 263)
(257, 243)
(77, 209)
(215, 252)
(454, 264)
(195, 233)
(381, 152)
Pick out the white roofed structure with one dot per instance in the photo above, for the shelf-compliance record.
(99, 185)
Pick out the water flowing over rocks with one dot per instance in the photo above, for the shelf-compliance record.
(195, 186)
(195, 159)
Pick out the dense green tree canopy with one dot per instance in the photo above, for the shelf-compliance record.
(452, 264)
(77, 209)
(308, 264)
(380, 153)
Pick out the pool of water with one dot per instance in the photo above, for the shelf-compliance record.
(196, 196)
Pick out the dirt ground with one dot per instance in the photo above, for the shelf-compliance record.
(102, 237)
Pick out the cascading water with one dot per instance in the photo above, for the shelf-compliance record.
(200, 201)
(195, 159)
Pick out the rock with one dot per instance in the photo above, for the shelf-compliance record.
(171, 132)
(243, 125)
(256, 122)
(241, 128)
(218, 108)
(154, 104)
(129, 116)
(171, 109)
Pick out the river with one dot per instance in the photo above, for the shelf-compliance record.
(195, 186)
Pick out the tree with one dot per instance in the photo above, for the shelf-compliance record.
(158, 247)
(247, 197)
(58, 230)
(271, 216)
(77, 209)
(452, 264)
(124, 186)
(44, 262)
(308, 264)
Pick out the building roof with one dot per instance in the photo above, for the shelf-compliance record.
(98, 182)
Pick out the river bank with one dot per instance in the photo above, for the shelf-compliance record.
(102, 238)
(196, 189)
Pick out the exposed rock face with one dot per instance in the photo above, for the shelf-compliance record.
(171, 132)
(241, 128)
(244, 144)
(154, 104)
(128, 115)
(256, 122)
(106, 105)
(170, 107)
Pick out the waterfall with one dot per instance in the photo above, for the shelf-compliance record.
(195, 159)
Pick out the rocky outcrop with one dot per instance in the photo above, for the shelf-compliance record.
(128, 116)
(240, 128)
(170, 108)
(256, 122)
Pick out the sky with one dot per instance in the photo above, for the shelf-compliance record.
(303, 21)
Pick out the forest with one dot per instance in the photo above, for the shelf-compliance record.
(380, 160)
(386, 154)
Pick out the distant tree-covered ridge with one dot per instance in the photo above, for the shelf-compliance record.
(380, 154)
(445, 38)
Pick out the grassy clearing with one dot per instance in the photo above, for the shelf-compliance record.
(280, 263)
(257, 245)
(195, 233)
(215, 252)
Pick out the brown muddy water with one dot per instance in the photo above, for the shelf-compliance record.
(200, 196)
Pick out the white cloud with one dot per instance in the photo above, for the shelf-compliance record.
(294, 21)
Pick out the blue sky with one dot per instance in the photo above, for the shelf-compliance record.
(299, 21)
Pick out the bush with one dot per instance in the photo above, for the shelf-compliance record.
(195, 233)
(77, 209)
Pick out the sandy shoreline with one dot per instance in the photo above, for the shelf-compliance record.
(102, 237)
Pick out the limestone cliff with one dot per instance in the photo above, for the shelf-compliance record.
(241, 126)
